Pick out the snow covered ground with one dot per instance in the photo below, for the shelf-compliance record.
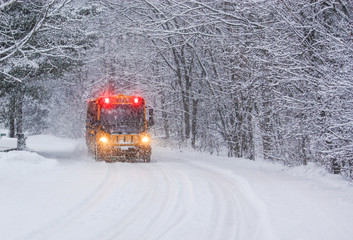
(6, 142)
(59, 192)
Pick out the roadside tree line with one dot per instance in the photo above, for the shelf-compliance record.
(262, 78)
(257, 79)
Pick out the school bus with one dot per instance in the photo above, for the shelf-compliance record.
(117, 128)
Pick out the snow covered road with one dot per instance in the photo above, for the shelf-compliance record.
(179, 195)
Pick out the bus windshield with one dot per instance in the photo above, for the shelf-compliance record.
(123, 119)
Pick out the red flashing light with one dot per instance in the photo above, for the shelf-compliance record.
(136, 101)
(105, 102)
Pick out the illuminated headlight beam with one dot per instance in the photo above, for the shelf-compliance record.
(145, 139)
(103, 140)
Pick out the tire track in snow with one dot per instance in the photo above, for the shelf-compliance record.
(223, 209)
(232, 217)
(167, 215)
(160, 212)
(78, 211)
(227, 206)
(250, 211)
(165, 200)
(116, 229)
(172, 214)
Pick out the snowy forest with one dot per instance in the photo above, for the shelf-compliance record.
(253, 78)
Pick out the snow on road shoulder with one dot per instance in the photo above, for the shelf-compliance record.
(23, 162)
(56, 147)
(7, 143)
(303, 202)
(49, 143)
(36, 191)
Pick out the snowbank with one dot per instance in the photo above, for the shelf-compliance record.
(23, 162)
(7, 143)
(48, 143)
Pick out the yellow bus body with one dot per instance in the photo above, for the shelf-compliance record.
(114, 143)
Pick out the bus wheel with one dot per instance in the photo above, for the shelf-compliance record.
(147, 158)
(97, 156)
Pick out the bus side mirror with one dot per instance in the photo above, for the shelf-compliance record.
(150, 121)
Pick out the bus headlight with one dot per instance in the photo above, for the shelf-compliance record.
(145, 139)
(103, 140)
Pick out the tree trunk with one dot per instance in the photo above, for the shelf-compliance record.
(12, 116)
(194, 123)
(250, 132)
(186, 116)
(164, 117)
(21, 140)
